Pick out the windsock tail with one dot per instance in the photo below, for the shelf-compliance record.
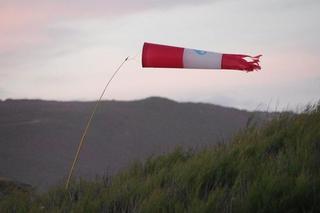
(241, 62)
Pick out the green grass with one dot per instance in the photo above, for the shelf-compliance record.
(273, 168)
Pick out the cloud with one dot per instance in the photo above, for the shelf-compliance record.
(30, 28)
(30, 17)
(2, 93)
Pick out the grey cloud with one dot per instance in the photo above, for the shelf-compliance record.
(60, 40)
(2, 93)
(87, 7)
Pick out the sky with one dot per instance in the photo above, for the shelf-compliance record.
(67, 50)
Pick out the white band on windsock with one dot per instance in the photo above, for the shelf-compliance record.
(201, 59)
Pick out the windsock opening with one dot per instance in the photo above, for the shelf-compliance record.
(162, 56)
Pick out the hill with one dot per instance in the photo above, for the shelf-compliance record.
(273, 168)
(38, 138)
(8, 186)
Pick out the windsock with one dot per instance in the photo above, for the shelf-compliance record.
(163, 56)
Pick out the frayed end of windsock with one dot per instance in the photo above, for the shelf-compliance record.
(241, 62)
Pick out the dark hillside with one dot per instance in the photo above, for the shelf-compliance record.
(38, 138)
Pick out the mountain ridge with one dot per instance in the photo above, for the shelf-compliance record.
(40, 137)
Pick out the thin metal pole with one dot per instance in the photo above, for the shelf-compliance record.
(76, 157)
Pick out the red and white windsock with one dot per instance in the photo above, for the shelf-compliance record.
(163, 56)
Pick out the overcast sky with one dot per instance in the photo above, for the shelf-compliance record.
(66, 50)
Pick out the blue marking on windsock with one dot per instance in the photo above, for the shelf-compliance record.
(200, 52)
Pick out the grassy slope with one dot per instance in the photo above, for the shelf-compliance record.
(274, 168)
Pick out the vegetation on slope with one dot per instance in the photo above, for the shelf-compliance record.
(274, 168)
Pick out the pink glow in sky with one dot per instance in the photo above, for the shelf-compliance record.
(66, 50)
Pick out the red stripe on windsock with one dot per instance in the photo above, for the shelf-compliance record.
(240, 62)
(155, 55)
